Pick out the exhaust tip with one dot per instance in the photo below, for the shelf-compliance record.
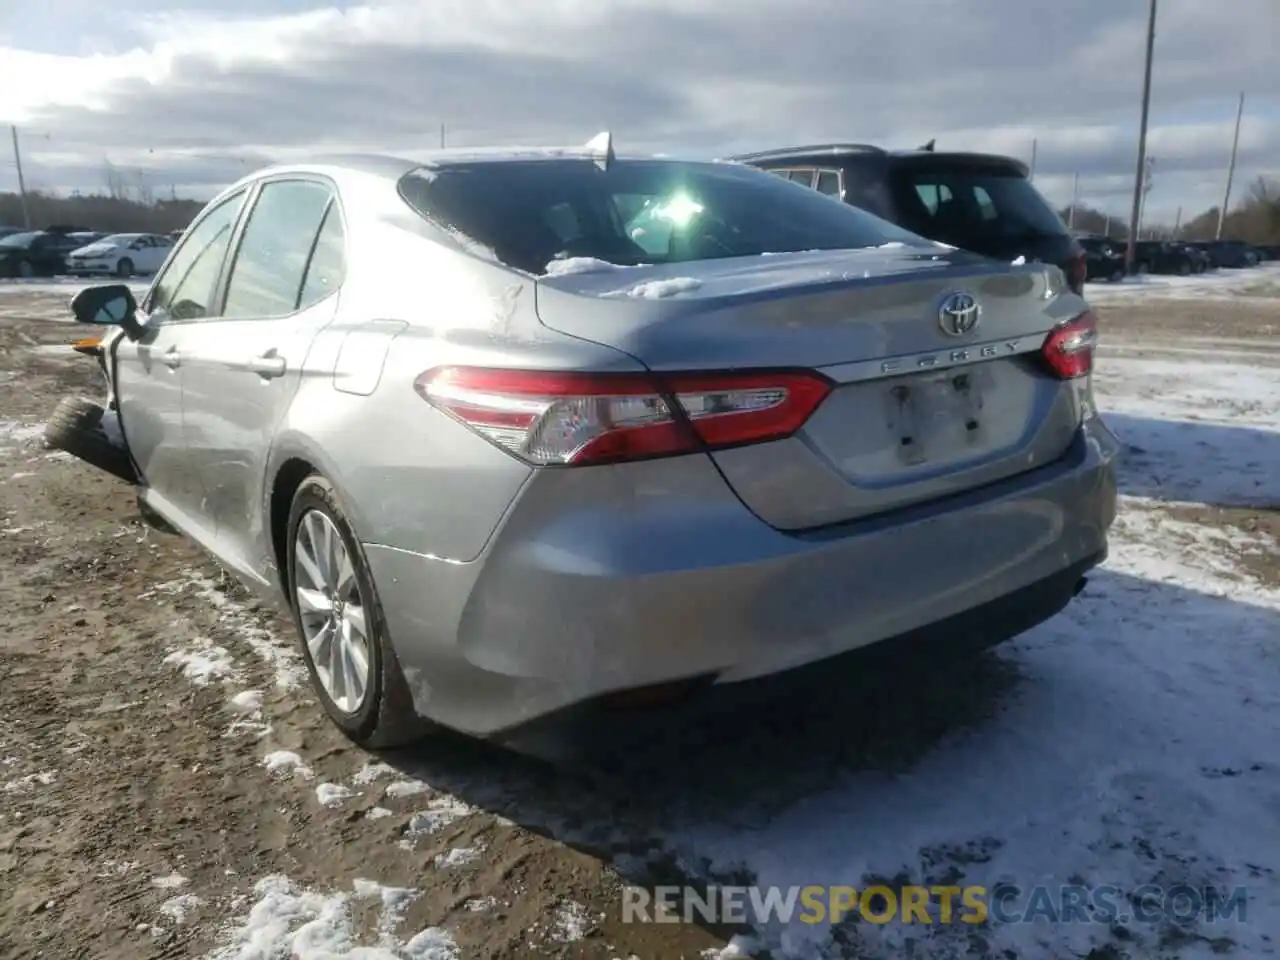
(1079, 587)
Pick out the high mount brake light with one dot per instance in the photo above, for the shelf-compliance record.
(575, 419)
(1068, 349)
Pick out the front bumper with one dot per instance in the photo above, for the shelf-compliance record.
(603, 580)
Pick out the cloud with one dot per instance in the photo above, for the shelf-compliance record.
(200, 93)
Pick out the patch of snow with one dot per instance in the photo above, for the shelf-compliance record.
(286, 921)
(333, 795)
(739, 947)
(892, 245)
(21, 433)
(457, 857)
(204, 664)
(43, 779)
(480, 904)
(284, 657)
(406, 788)
(169, 881)
(378, 813)
(20, 476)
(572, 922)
(248, 701)
(1019, 262)
(373, 771)
(178, 908)
(574, 265)
(440, 812)
(661, 289)
(286, 761)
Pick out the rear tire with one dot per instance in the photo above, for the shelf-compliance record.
(124, 268)
(384, 715)
(26, 269)
(76, 428)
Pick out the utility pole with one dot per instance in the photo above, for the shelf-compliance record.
(1231, 169)
(1146, 189)
(1177, 223)
(442, 136)
(22, 184)
(1032, 174)
(1075, 199)
(1139, 193)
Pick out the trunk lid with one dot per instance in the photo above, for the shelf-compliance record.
(916, 412)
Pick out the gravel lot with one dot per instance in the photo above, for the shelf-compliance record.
(163, 765)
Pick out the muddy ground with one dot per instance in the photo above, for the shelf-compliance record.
(141, 691)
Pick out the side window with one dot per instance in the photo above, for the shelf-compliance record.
(933, 195)
(804, 177)
(986, 206)
(328, 261)
(829, 182)
(186, 286)
(270, 264)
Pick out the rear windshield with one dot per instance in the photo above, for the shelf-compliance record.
(972, 202)
(637, 211)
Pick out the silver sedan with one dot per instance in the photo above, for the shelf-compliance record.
(515, 432)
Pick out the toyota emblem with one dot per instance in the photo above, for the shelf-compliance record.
(958, 314)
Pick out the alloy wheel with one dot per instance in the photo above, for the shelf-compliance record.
(334, 626)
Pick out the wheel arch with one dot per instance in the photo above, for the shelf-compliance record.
(294, 458)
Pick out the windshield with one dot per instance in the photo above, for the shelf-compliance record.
(18, 239)
(637, 211)
(956, 201)
(118, 239)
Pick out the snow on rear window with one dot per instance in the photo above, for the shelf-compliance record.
(532, 213)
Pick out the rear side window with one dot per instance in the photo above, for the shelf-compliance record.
(956, 201)
(828, 183)
(530, 212)
(271, 262)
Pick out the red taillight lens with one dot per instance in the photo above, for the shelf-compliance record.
(581, 418)
(1079, 272)
(1069, 347)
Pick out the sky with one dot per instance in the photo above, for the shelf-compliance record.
(188, 95)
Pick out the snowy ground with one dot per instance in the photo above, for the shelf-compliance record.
(168, 788)
(1261, 282)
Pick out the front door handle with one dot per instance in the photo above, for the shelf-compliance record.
(268, 365)
(172, 359)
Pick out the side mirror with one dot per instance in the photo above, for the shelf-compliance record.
(108, 305)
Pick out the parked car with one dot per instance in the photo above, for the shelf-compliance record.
(536, 458)
(1165, 256)
(34, 253)
(121, 254)
(1104, 260)
(1229, 253)
(9, 231)
(1201, 261)
(979, 202)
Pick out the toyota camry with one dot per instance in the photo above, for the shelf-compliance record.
(515, 433)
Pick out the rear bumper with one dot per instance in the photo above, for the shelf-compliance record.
(603, 579)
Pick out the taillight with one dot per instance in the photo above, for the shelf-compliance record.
(1078, 273)
(1069, 347)
(581, 418)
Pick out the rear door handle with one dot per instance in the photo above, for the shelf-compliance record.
(268, 365)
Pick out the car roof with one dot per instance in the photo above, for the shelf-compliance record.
(392, 167)
(820, 152)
